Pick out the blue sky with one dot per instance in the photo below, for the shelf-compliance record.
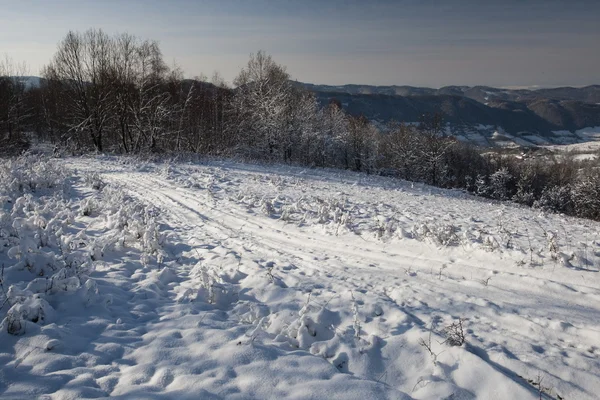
(404, 42)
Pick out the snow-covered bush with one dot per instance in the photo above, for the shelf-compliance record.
(94, 181)
(525, 192)
(34, 220)
(455, 333)
(385, 226)
(585, 195)
(213, 288)
(481, 186)
(555, 199)
(30, 174)
(132, 223)
(440, 234)
(500, 182)
(45, 254)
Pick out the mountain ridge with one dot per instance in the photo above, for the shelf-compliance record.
(519, 112)
(589, 93)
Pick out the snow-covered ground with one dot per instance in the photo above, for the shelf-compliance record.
(245, 281)
(583, 144)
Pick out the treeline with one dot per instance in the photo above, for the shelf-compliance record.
(116, 93)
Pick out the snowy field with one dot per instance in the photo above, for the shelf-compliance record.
(583, 144)
(217, 280)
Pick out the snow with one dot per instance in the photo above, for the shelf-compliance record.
(587, 147)
(488, 135)
(225, 280)
(538, 140)
(590, 133)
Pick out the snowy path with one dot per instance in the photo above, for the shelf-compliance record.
(261, 306)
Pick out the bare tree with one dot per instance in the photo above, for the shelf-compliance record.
(13, 102)
(401, 149)
(151, 108)
(84, 65)
(124, 80)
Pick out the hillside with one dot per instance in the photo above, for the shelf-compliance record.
(226, 280)
(587, 94)
(522, 113)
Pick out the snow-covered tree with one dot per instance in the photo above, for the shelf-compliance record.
(586, 196)
(500, 184)
(555, 199)
(260, 107)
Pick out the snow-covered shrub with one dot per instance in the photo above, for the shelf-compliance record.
(31, 174)
(455, 333)
(94, 181)
(555, 199)
(30, 307)
(585, 195)
(213, 289)
(34, 218)
(267, 207)
(443, 234)
(525, 192)
(481, 186)
(133, 222)
(524, 195)
(499, 186)
(44, 255)
(385, 226)
(490, 243)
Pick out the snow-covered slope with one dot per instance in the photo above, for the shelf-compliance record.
(281, 282)
(583, 144)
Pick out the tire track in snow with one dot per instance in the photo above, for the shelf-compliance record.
(229, 227)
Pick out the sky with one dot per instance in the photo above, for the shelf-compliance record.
(405, 42)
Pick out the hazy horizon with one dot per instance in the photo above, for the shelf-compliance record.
(415, 43)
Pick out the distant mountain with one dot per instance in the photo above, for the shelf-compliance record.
(29, 81)
(507, 114)
(588, 94)
(368, 89)
(32, 81)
